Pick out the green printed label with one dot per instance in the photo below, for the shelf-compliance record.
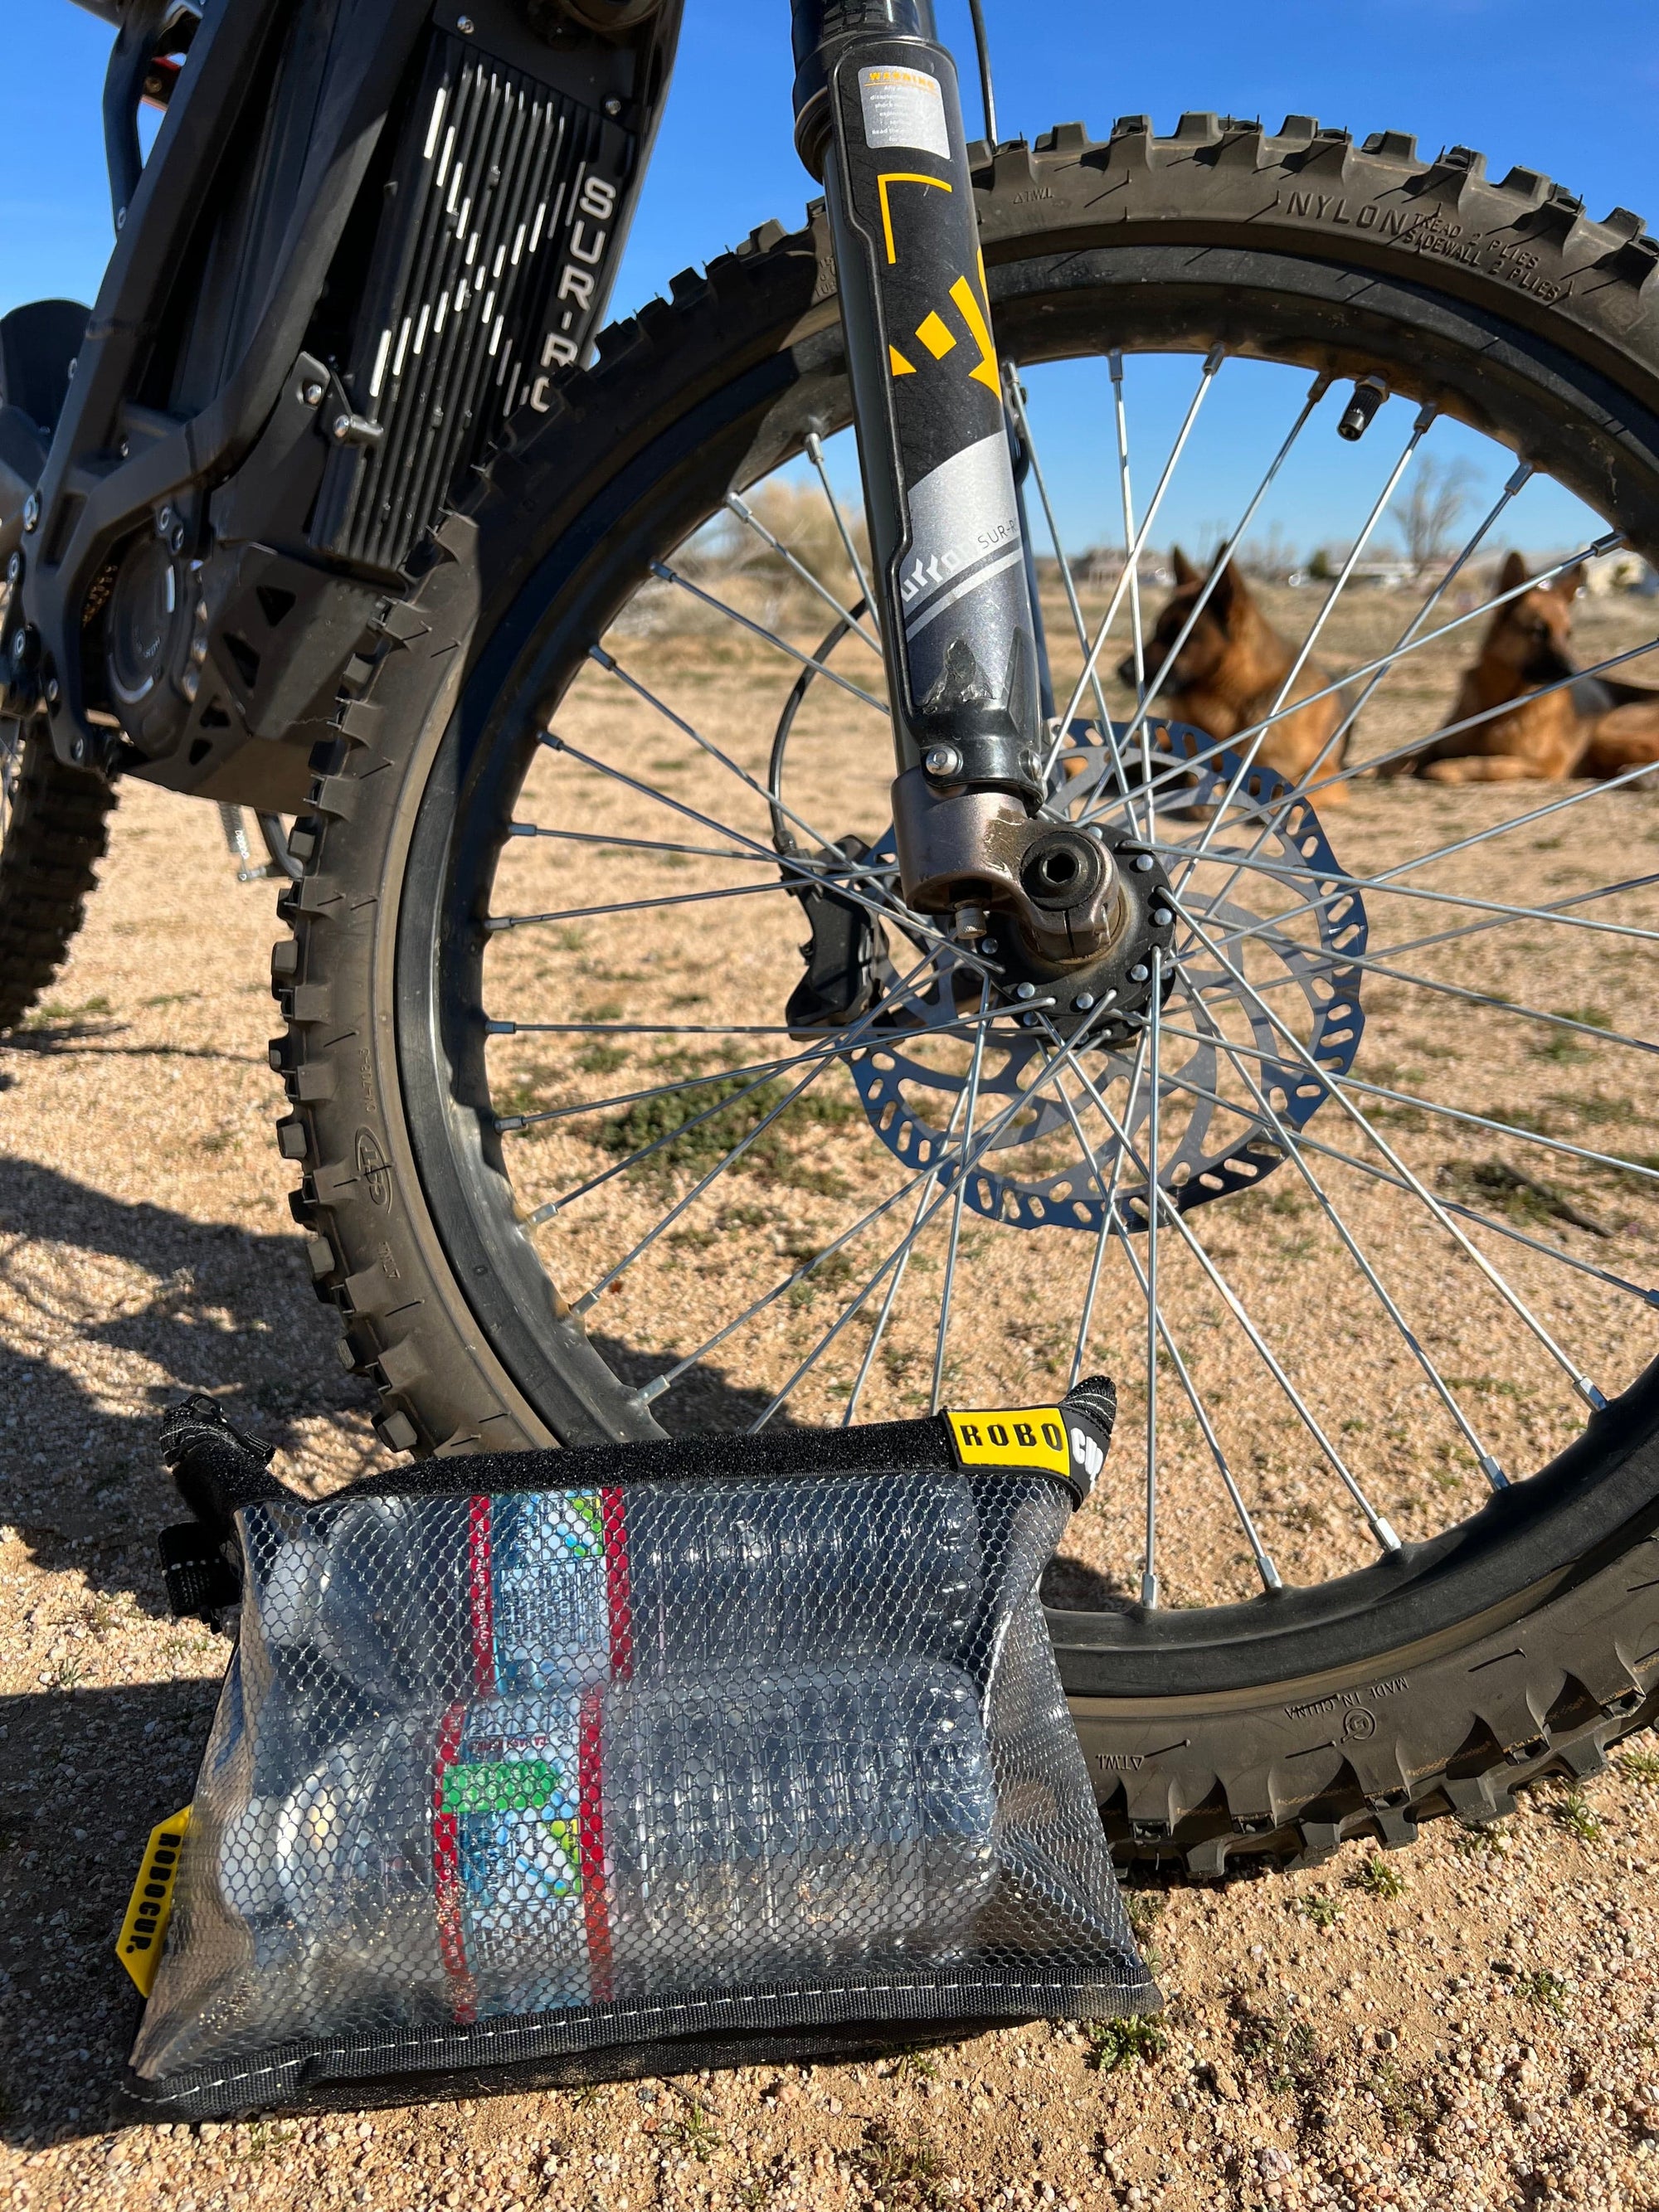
(506, 1785)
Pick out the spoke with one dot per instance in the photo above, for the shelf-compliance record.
(1222, 990)
(678, 721)
(1181, 768)
(509, 1124)
(1156, 1195)
(747, 514)
(895, 1284)
(758, 856)
(1368, 1168)
(1498, 1006)
(1154, 1318)
(1320, 386)
(849, 1038)
(975, 1066)
(1485, 1460)
(1086, 1322)
(1207, 377)
(1332, 747)
(1649, 1296)
(1126, 495)
(668, 575)
(964, 1161)
(498, 922)
(1336, 1083)
(1555, 906)
(1017, 403)
(1247, 759)
(1338, 1087)
(1339, 881)
(815, 454)
(1265, 1567)
(888, 910)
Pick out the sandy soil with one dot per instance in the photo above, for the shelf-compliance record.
(1485, 2034)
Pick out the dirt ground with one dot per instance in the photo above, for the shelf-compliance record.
(1475, 2022)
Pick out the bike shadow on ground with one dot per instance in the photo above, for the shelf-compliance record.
(110, 1310)
(85, 1775)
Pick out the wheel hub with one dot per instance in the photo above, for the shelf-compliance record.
(1033, 1173)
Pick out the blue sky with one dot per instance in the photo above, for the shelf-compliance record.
(1571, 91)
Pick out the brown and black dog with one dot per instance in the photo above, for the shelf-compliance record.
(1587, 728)
(1228, 674)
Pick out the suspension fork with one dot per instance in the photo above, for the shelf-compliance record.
(878, 122)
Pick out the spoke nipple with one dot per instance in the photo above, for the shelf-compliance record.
(1025, 990)
(1084, 1001)
(1592, 1396)
(1149, 1592)
(1493, 1472)
(1385, 1534)
(585, 1303)
(521, 829)
(651, 1390)
(506, 1123)
(542, 1213)
(1269, 1573)
(500, 1029)
(1140, 973)
(1143, 863)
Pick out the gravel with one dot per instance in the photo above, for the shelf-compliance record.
(1486, 2037)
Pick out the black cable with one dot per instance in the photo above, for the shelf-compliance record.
(983, 48)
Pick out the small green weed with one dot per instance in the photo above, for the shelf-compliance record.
(1640, 1765)
(45, 1017)
(1576, 1814)
(600, 1058)
(1321, 1909)
(1117, 2042)
(1378, 1879)
(1547, 1990)
(902, 2166)
(1489, 1841)
(915, 2066)
(696, 2133)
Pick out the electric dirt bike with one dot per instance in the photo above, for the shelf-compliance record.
(781, 938)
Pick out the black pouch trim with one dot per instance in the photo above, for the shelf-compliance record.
(201, 1581)
(534, 2050)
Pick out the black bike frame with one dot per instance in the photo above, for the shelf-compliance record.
(369, 230)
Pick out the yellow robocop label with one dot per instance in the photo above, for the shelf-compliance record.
(138, 1947)
(1032, 1435)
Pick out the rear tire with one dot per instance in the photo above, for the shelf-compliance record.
(56, 831)
(1525, 1641)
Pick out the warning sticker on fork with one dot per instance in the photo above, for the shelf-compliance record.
(904, 107)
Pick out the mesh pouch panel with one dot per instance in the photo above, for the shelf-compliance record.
(538, 1778)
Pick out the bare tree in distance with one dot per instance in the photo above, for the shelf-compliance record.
(1429, 510)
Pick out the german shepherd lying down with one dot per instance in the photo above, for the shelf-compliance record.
(1227, 677)
(1587, 728)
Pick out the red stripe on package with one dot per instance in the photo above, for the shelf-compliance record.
(590, 1777)
(480, 1594)
(447, 1873)
(613, 1522)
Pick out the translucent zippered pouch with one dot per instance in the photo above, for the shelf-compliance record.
(573, 1766)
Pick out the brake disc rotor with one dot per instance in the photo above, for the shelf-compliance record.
(910, 1099)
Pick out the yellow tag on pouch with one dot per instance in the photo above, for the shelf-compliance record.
(138, 1947)
(1029, 1436)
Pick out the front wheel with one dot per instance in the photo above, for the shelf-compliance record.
(628, 1095)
